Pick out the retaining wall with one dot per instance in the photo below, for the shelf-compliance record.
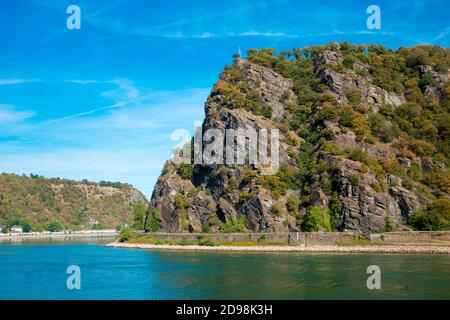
(412, 237)
(292, 238)
(312, 238)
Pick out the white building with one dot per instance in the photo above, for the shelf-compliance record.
(17, 229)
(93, 222)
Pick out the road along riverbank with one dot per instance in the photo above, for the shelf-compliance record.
(58, 235)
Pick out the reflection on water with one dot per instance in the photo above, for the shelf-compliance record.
(38, 272)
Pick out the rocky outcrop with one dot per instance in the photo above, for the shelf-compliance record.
(341, 83)
(363, 207)
(224, 195)
(435, 89)
(270, 85)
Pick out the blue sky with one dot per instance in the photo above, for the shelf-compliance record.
(101, 103)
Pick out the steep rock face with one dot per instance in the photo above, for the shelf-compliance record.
(364, 208)
(214, 199)
(163, 199)
(269, 84)
(365, 184)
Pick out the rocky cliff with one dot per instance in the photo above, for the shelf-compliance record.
(364, 144)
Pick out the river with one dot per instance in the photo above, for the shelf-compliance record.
(37, 270)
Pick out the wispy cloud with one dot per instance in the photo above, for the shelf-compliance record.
(87, 81)
(232, 11)
(252, 33)
(122, 29)
(9, 114)
(105, 8)
(268, 34)
(265, 34)
(125, 94)
(82, 114)
(205, 35)
(53, 36)
(4, 82)
(441, 35)
(126, 143)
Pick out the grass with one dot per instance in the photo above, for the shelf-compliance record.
(205, 241)
(252, 244)
(149, 239)
(360, 242)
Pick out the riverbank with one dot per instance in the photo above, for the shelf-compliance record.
(406, 249)
(58, 235)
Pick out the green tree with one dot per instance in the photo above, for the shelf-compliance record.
(316, 220)
(186, 171)
(335, 213)
(54, 227)
(292, 205)
(389, 225)
(233, 225)
(26, 227)
(180, 201)
(267, 111)
(154, 223)
(436, 216)
(126, 234)
(139, 210)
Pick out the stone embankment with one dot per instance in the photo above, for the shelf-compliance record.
(414, 242)
(305, 249)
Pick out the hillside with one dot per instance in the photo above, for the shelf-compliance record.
(39, 204)
(364, 144)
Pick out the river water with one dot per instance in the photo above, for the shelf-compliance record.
(37, 270)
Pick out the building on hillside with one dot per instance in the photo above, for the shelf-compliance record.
(93, 222)
(17, 229)
(2, 228)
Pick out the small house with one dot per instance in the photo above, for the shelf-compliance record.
(16, 229)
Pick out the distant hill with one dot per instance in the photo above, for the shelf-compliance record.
(364, 144)
(39, 204)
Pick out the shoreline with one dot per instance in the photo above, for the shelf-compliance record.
(407, 249)
(20, 237)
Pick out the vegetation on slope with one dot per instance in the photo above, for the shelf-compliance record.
(38, 204)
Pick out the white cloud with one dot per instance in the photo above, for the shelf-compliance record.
(266, 34)
(204, 35)
(9, 114)
(170, 35)
(209, 35)
(126, 92)
(88, 81)
(4, 82)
